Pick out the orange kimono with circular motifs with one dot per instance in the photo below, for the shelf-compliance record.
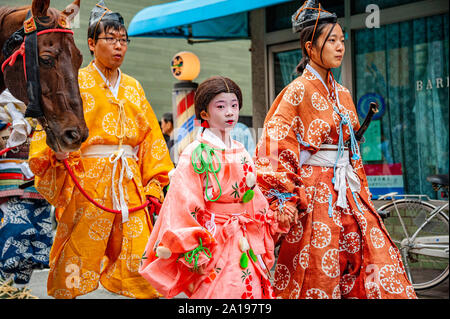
(332, 252)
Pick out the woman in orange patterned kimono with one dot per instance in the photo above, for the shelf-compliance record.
(213, 236)
(338, 246)
(123, 161)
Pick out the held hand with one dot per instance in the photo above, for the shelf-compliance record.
(292, 212)
(61, 155)
(282, 216)
(154, 205)
(200, 270)
(283, 220)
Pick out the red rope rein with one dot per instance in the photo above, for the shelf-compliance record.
(5, 150)
(77, 184)
(154, 203)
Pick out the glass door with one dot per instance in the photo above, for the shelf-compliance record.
(283, 61)
(404, 67)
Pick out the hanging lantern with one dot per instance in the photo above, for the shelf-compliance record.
(185, 66)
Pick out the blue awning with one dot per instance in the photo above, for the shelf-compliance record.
(199, 19)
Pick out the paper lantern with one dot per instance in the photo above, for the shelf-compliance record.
(185, 66)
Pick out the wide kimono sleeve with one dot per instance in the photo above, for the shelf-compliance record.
(291, 126)
(153, 156)
(266, 230)
(51, 178)
(177, 232)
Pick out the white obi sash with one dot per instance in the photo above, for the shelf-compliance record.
(115, 154)
(326, 157)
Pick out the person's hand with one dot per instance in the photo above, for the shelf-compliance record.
(200, 270)
(291, 210)
(283, 220)
(154, 205)
(61, 155)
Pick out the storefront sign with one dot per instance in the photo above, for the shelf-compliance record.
(364, 105)
(384, 178)
(436, 83)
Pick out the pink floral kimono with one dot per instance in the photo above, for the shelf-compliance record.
(213, 215)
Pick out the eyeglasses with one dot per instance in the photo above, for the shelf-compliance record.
(112, 41)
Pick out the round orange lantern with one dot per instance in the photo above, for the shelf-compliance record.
(185, 66)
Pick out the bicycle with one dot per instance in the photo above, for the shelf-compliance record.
(420, 231)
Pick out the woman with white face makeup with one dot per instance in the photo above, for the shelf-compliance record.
(337, 246)
(214, 234)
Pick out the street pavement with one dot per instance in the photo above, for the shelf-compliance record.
(38, 287)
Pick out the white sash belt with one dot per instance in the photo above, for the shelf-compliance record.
(326, 157)
(115, 154)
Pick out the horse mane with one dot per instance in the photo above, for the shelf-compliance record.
(54, 18)
(4, 11)
(51, 12)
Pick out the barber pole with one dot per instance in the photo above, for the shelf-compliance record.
(184, 120)
(185, 66)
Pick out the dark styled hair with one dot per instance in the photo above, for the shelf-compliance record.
(209, 88)
(305, 36)
(104, 26)
(167, 117)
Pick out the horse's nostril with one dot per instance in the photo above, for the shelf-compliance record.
(85, 135)
(71, 136)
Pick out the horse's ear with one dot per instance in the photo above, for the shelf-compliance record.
(39, 8)
(72, 10)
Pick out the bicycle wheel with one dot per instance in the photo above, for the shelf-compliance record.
(424, 269)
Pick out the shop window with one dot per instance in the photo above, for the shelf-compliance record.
(404, 66)
(361, 5)
(285, 68)
(279, 17)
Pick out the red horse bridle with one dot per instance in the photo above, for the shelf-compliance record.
(26, 37)
(21, 50)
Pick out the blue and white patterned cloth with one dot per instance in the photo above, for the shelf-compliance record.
(25, 237)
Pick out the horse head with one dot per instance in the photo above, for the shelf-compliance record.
(55, 94)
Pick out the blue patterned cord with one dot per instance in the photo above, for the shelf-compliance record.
(330, 205)
(345, 120)
(357, 205)
(281, 197)
(299, 139)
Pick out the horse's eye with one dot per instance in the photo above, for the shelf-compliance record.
(47, 62)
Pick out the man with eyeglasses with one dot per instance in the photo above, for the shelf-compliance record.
(123, 162)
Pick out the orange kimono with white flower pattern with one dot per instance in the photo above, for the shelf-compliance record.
(93, 245)
(340, 247)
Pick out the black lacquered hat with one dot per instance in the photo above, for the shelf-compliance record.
(101, 13)
(311, 13)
